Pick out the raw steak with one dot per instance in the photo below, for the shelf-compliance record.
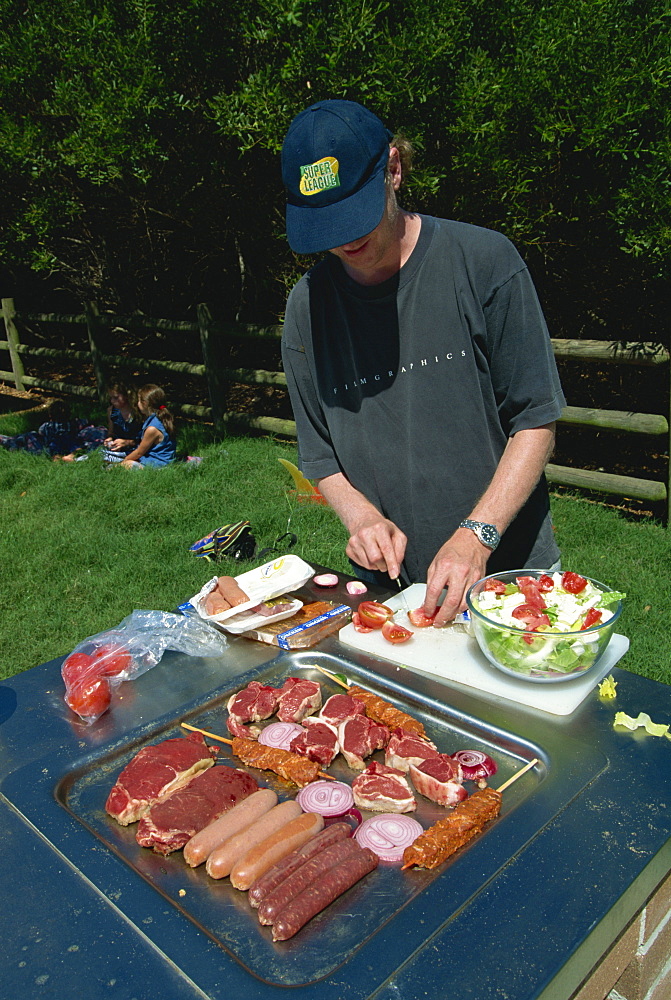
(253, 704)
(341, 707)
(383, 789)
(359, 737)
(439, 779)
(169, 824)
(154, 773)
(318, 741)
(406, 748)
(298, 698)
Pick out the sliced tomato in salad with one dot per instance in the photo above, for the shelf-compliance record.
(593, 617)
(372, 614)
(573, 583)
(530, 615)
(498, 586)
(531, 590)
(545, 583)
(417, 618)
(395, 633)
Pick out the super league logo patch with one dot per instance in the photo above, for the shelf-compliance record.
(319, 176)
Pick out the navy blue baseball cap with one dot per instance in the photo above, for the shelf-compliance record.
(333, 167)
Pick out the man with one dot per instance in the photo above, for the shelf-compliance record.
(419, 366)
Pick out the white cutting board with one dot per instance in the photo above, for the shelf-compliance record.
(452, 656)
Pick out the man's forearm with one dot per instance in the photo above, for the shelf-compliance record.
(521, 466)
(350, 505)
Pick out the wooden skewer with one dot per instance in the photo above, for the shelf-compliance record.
(518, 774)
(327, 673)
(223, 739)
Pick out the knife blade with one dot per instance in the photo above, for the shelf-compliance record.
(402, 595)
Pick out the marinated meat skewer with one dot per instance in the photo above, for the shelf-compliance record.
(466, 821)
(378, 709)
(290, 766)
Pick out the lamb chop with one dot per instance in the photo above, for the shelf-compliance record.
(298, 698)
(318, 741)
(405, 748)
(253, 704)
(439, 779)
(341, 707)
(154, 773)
(383, 789)
(360, 737)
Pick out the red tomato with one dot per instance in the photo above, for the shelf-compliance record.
(395, 633)
(373, 614)
(530, 615)
(593, 617)
(113, 659)
(75, 666)
(498, 586)
(419, 619)
(356, 622)
(573, 583)
(90, 698)
(531, 591)
(545, 583)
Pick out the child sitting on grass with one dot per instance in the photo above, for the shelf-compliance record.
(157, 444)
(124, 426)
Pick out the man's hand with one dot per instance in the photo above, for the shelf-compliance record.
(376, 543)
(457, 565)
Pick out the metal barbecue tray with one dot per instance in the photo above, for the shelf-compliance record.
(389, 908)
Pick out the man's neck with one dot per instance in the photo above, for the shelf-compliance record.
(403, 241)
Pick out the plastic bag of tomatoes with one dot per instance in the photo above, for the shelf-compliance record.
(98, 665)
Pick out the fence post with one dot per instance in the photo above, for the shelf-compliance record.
(212, 363)
(9, 312)
(97, 348)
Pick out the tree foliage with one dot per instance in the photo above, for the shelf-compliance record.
(139, 141)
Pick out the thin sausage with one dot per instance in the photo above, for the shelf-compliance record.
(285, 840)
(221, 860)
(319, 895)
(230, 591)
(198, 849)
(272, 878)
(311, 871)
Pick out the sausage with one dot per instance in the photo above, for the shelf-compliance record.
(201, 845)
(272, 878)
(310, 872)
(214, 603)
(280, 843)
(231, 592)
(221, 860)
(318, 896)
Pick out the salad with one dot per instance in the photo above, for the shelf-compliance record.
(543, 624)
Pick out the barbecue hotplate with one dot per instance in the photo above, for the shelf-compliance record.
(389, 911)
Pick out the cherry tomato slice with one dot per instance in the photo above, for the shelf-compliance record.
(531, 591)
(545, 583)
(419, 619)
(573, 583)
(372, 614)
(593, 617)
(356, 622)
(497, 586)
(530, 615)
(395, 633)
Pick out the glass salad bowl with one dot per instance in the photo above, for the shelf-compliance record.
(543, 627)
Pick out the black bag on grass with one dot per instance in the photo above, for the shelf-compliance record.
(233, 540)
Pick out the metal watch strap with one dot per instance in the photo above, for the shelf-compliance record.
(487, 533)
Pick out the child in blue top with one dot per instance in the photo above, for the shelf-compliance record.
(157, 444)
(124, 426)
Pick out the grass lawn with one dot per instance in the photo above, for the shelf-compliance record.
(82, 546)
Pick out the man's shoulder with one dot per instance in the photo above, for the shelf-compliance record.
(467, 234)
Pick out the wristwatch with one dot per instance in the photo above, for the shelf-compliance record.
(487, 533)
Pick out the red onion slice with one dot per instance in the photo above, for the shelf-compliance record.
(388, 835)
(475, 765)
(280, 734)
(328, 798)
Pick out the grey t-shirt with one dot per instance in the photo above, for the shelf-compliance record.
(412, 387)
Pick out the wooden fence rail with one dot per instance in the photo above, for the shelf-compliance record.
(645, 354)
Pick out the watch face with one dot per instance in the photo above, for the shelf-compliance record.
(489, 534)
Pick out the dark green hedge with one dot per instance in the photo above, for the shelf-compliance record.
(139, 142)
